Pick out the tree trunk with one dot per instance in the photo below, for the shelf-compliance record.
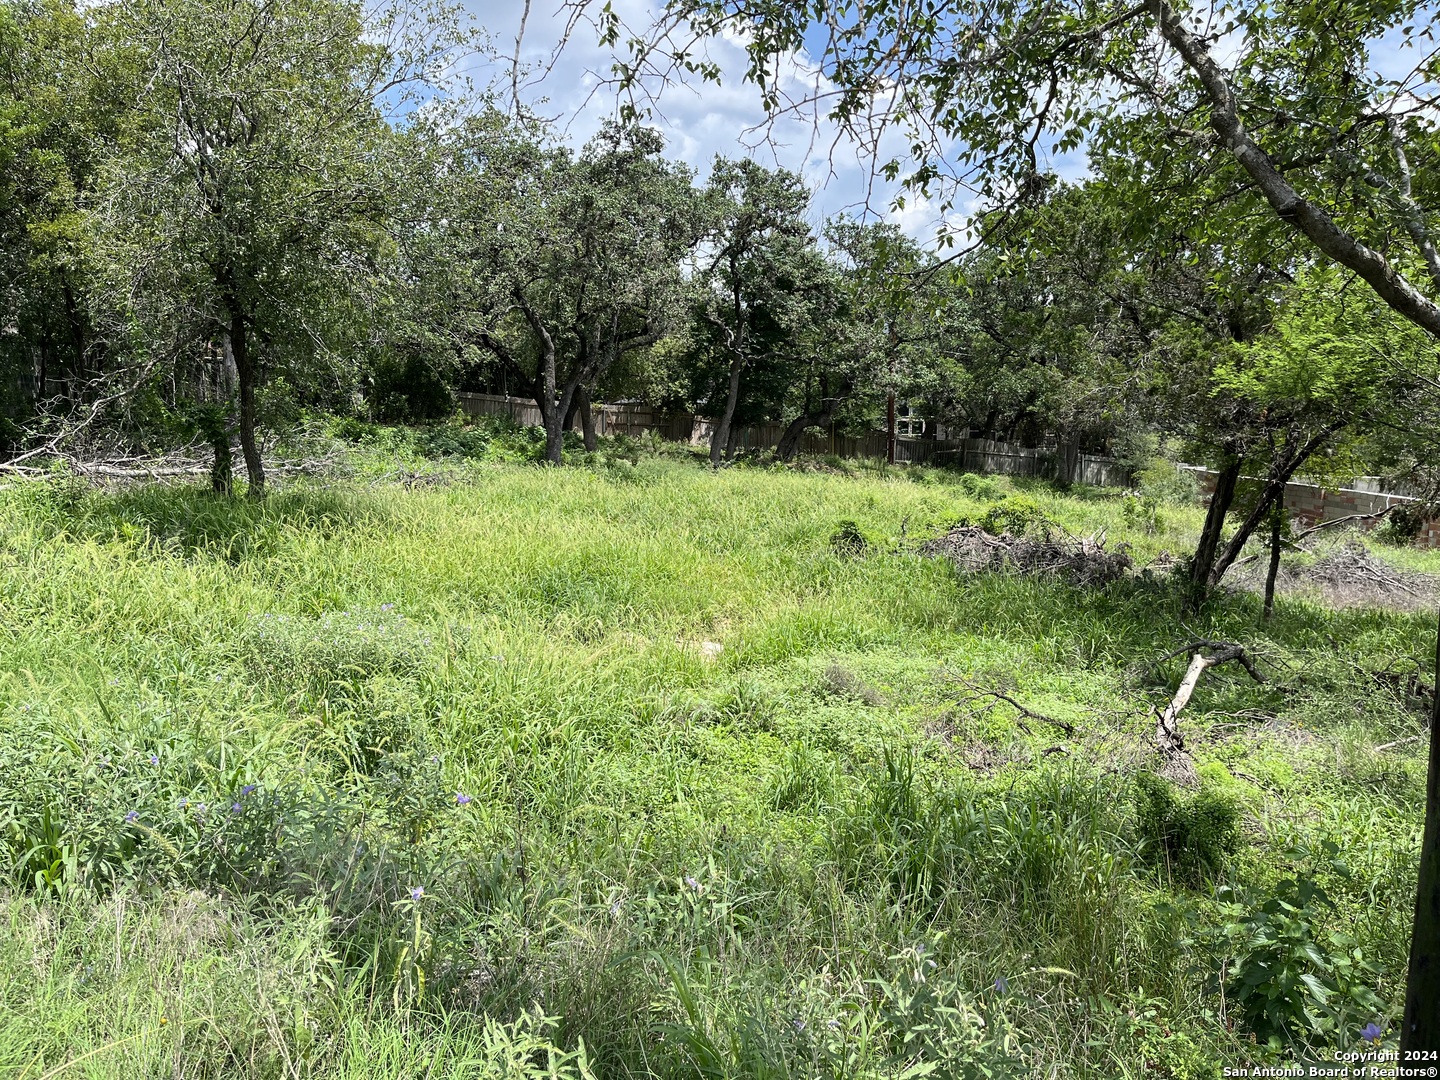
(1277, 537)
(587, 419)
(555, 423)
(1204, 558)
(890, 429)
(552, 412)
(554, 434)
(1274, 492)
(720, 437)
(218, 419)
(245, 377)
(1420, 1029)
(76, 324)
(789, 443)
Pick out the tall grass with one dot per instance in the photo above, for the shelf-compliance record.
(238, 739)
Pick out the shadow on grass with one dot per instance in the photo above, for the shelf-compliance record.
(194, 521)
(1131, 622)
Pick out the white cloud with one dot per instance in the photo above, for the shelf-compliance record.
(699, 120)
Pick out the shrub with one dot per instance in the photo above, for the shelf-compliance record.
(1018, 516)
(1165, 483)
(1293, 984)
(408, 389)
(981, 487)
(849, 541)
(1192, 836)
(1404, 523)
(1142, 511)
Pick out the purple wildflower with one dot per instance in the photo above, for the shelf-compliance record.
(461, 798)
(132, 817)
(154, 759)
(387, 607)
(690, 881)
(235, 808)
(417, 892)
(1371, 1032)
(1002, 985)
(248, 789)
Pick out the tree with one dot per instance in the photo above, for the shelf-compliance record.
(247, 198)
(758, 253)
(904, 314)
(56, 120)
(571, 262)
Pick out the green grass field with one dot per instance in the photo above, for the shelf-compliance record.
(446, 777)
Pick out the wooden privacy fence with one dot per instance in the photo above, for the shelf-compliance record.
(971, 455)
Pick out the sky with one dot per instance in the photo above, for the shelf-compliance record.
(698, 121)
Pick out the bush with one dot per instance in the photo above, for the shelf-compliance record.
(1018, 516)
(1142, 511)
(1164, 483)
(985, 488)
(1293, 984)
(409, 389)
(1402, 526)
(1191, 836)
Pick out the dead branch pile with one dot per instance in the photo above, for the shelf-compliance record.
(1082, 561)
(1353, 565)
(189, 461)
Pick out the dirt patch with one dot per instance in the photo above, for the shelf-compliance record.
(1082, 562)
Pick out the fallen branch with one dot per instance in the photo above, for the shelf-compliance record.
(1303, 533)
(1027, 714)
(1239, 654)
(1167, 731)
(1294, 541)
(1398, 742)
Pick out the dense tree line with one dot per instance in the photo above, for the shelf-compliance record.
(212, 214)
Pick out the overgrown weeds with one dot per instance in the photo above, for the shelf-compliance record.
(393, 778)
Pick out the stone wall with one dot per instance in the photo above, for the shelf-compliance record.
(1312, 504)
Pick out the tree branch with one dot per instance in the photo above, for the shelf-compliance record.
(1389, 284)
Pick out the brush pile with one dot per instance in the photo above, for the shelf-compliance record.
(1350, 573)
(1081, 561)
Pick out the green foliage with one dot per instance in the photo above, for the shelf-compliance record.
(1018, 515)
(1142, 511)
(1161, 482)
(1192, 836)
(984, 488)
(1295, 983)
(409, 389)
(1403, 524)
(694, 859)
